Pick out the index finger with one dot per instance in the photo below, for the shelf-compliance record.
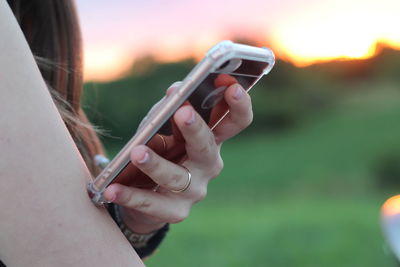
(199, 140)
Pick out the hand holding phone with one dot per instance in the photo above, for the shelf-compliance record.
(203, 90)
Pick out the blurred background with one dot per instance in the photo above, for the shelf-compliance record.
(302, 186)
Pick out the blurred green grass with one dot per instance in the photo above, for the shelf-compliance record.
(303, 185)
(304, 198)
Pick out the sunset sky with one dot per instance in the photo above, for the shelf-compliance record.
(303, 31)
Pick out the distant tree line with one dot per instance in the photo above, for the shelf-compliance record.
(281, 100)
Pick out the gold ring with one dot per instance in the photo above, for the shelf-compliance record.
(189, 180)
(163, 141)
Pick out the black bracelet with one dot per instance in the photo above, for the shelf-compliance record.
(144, 245)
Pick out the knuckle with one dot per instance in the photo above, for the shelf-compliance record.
(200, 194)
(205, 149)
(211, 140)
(217, 168)
(209, 145)
(179, 216)
(141, 204)
(173, 181)
(126, 199)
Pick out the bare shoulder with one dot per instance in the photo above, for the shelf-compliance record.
(46, 217)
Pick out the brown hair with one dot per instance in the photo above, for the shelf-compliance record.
(52, 30)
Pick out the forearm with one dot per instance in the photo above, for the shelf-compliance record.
(46, 217)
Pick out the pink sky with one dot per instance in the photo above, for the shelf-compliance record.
(115, 32)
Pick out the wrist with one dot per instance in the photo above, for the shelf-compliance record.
(137, 225)
(151, 243)
(138, 240)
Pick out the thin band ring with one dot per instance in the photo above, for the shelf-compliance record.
(163, 141)
(189, 180)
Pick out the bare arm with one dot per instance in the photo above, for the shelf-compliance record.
(46, 217)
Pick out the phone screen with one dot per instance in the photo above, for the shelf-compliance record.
(208, 100)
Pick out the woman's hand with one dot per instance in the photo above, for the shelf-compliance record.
(146, 210)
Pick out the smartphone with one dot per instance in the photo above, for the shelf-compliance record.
(224, 64)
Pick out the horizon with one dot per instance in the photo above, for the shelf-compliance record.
(302, 32)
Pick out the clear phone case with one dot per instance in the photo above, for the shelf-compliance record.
(225, 64)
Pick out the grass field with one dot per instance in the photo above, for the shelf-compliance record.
(307, 197)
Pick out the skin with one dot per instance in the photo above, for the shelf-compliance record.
(145, 211)
(47, 218)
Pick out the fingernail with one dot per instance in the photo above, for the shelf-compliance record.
(112, 198)
(191, 119)
(144, 158)
(141, 155)
(238, 92)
